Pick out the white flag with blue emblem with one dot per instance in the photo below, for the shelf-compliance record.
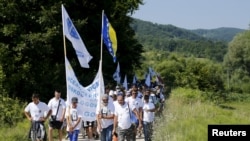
(116, 75)
(125, 83)
(148, 80)
(71, 33)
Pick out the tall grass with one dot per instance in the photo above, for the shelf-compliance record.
(187, 116)
(21, 130)
(15, 133)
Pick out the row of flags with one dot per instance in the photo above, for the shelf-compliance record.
(148, 77)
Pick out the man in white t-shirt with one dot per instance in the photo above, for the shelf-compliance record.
(105, 118)
(122, 120)
(37, 112)
(57, 106)
(148, 118)
(136, 102)
(73, 116)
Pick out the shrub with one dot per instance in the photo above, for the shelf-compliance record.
(11, 111)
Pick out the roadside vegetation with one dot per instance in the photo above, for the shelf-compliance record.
(187, 115)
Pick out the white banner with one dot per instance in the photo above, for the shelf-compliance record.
(87, 97)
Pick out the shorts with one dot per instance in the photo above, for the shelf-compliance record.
(89, 124)
(55, 124)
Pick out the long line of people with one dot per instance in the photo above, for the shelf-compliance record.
(132, 112)
(125, 113)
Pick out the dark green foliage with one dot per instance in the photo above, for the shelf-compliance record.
(179, 71)
(11, 111)
(237, 62)
(31, 46)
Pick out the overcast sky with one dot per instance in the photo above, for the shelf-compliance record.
(196, 14)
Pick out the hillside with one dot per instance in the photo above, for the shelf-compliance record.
(218, 34)
(173, 39)
(145, 28)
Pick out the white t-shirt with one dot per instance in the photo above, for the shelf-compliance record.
(136, 102)
(116, 103)
(75, 113)
(37, 111)
(106, 110)
(123, 114)
(148, 116)
(53, 104)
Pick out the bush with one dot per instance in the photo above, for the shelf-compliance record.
(11, 111)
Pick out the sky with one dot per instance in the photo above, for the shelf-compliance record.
(196, 14)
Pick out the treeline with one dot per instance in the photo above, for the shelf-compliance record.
(173, 39)
(218, 34)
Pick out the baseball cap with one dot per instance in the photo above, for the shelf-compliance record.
(74, 100)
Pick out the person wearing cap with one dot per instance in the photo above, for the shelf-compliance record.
(37, 113)
(148, 118)
(105, 118)
(58, 107)
(74, 118)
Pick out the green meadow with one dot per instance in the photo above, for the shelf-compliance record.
(187, 115)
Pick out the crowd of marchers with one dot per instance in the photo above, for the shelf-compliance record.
(122, 115)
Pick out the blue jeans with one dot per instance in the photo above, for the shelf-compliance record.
(106, 134)
(73, 136)
(147, 130)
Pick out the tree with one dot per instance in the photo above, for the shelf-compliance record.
(31, 46)
(237, 62)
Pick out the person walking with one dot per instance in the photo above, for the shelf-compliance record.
(122, 120)
(105, 118)
(37, 113)
(148, 118)
(73, 116)
(58, 107)
(136, 102)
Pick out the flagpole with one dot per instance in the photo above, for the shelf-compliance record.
(64, 47)
(100, 62)
(64, 39)
(101, 37)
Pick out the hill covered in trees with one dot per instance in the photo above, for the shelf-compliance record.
(189, 42)
(218, 34)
